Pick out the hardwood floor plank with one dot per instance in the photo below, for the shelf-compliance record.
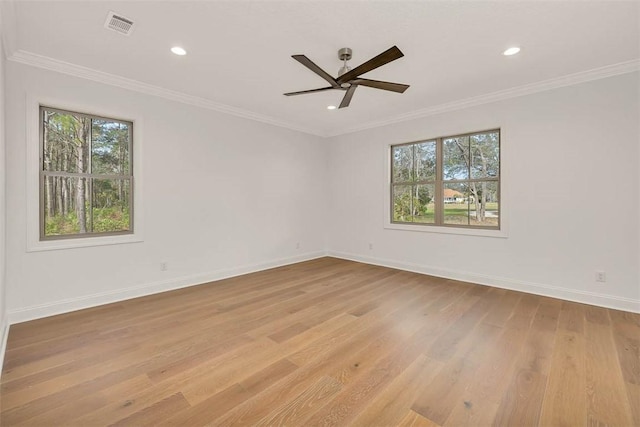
(478, 403)
(572, 317)
(597, 315)
(361, 389)
(626, 334)
(439, 398)
(633, 393)
(389, 407)
(154, 414)
(565, 398)
(445, 346)
(413, 419)
(297, 410)
(326, 341)
(196, 359)
(218, 404)
(522, 400)
(504, 309)
(67, 411)
(538, 348)
(288, 332)
(607, 400)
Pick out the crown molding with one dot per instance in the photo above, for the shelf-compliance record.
(63, 67)
(51, 64)
(528, 89)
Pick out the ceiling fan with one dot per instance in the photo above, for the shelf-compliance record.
(348, 79)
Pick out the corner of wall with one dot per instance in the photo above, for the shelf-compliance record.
(5, 44)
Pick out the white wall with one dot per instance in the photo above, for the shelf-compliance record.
(571, 175)
(222, 196)
(3, 318)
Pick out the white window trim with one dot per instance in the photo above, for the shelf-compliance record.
(32, 133)
(504, 198)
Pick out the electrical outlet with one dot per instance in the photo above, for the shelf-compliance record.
(298, 245)
(164, 266)
(370, 246)
(601, 276)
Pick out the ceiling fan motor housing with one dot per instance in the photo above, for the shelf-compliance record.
(344, 54)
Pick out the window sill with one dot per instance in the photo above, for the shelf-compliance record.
(448, 230)
(53, 245)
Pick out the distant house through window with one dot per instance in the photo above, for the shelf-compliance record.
(448, 181)
(453, 196)
(86, 175)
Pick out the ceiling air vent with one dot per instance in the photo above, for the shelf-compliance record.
(119, 24)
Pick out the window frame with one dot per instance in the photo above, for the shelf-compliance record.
(106, 108)
(438, 226)
(89, 176)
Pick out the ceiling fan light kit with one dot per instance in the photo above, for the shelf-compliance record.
(349, 79)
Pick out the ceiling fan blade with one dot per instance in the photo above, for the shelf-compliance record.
(347, 96)
(385, 57)
(313, 67)
(378, 84)
(302, 92)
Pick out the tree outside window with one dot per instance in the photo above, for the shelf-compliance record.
(86, 175)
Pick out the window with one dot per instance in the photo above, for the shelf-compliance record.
(450, 181)
(86, 177)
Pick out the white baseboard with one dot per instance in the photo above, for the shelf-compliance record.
(88, 301)
(591, 298)
(4, 335)
(79, 303)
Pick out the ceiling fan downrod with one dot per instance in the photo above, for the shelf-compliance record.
(344, 54)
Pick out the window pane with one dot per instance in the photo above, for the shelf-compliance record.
(485, 155)
(110, 147)
(65, 205)
(66, 141)
(402, 163)
(402, 203)
(424, 203)
(456, 203)
(426, 161)
(456, 158)
(110, 205)
(484, 203)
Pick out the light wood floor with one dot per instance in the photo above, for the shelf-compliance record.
(327, 342)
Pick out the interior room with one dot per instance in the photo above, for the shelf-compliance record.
(388, 213)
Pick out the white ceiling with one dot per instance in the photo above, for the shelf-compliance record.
(239, 51)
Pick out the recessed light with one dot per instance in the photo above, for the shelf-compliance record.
(178, 50)
(511, 51)
(331, 107)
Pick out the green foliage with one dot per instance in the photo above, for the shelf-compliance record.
(110, 219)
(61, 224)
(424, 197)
(413, 204)
(115, 218)
(109, 147)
